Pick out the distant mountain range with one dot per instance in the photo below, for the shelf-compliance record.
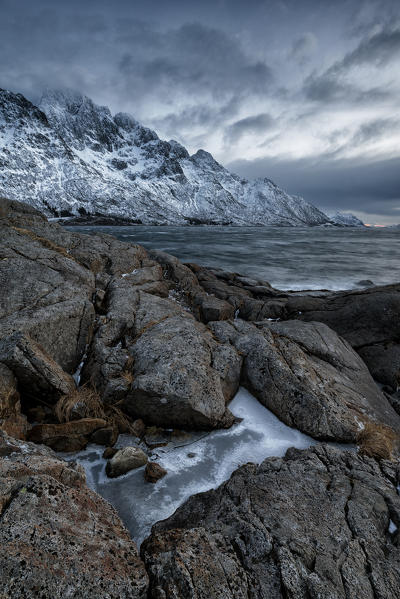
(69, 156)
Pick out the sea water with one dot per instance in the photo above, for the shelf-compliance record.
(288, 257)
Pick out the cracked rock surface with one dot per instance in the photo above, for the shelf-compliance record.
(314, 524)
(308, 376)
(57, 538)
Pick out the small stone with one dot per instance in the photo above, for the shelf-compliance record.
(126, 459)
(109, 452)
(154, 472)
(105, 436)
(191, 455)
(138, 428)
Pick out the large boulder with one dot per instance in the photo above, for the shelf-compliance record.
(362, 317)
(98, 253)
(44, 292)
(308, 376)
(320, 523)
(175, 381)
(152, 354)
(58, 538)
(11, 420)
(383, 361)
(37, 373)
(369, 320)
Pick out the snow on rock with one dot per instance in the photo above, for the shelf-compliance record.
(392, 527)
(346, 219)
(69, 157)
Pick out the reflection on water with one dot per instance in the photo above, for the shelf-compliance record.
(289, 258)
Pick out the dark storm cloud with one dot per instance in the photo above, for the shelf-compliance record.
(379, 49)
(369, 187)
(200, 116)
(333, 86)
(374, 130)
(303, 47)
(237, 78)
(250, 125)
(328, 88)
(197, 60)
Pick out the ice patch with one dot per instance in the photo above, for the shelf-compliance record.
(392, 527)
(200, 464)
(126, 274)
(77, 374)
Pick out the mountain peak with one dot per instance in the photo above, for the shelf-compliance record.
(80, 121)
(72, 156)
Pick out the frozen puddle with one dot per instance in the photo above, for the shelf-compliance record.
(217, 455)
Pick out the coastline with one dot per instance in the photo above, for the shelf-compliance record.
(165, 345)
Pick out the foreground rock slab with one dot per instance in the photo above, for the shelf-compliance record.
(57, 538)
(320, 523)
(308, 376)
(369, 320)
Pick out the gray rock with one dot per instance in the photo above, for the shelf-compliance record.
(366, 318)
(362, 317)
(11, 420)
(37, 373)
(44, 291)
(211, 308)
(314, 524)
(175, 383)
(167, 368)
(57, 537)
(154, 472)
(383, 361)
(126, 459)
(308, 376)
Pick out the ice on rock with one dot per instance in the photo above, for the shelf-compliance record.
(200, 464)
(392, 527)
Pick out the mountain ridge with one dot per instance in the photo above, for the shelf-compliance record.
(69, 156)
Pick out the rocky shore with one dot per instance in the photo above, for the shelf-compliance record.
(99, 337)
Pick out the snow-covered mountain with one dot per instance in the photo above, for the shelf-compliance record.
(346, 219)
(70, 156)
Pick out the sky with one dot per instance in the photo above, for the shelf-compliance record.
(301, 91)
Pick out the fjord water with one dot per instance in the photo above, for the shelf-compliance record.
(289, 258)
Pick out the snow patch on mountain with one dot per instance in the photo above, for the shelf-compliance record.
(346, 219)
(70, 156)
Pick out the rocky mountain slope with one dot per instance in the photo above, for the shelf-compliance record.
(70, 156)
(346, 219)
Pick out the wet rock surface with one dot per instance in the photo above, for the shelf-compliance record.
(312, 524)
(58, 538)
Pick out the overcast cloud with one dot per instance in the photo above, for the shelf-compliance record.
(305, 93)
